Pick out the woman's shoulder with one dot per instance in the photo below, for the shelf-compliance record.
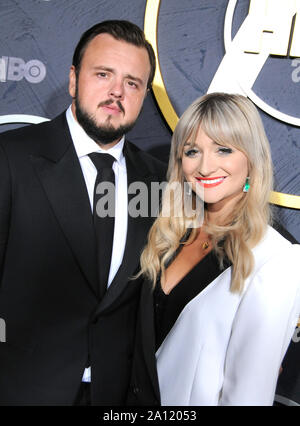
(272, 290)
(273, 244)
(273, 236)
(276, 260)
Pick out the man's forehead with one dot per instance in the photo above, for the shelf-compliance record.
(107, 43)
(106, 52)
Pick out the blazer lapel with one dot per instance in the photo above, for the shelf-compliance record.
(146, 318)
(60, 174)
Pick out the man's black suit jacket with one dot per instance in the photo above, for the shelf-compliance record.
(48, 277)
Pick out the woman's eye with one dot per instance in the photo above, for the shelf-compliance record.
(224, 150)
(191, 152)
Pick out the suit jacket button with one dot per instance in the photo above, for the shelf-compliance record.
(135, 390)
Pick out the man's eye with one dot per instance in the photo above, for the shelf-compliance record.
(132, 84)
(102, 74)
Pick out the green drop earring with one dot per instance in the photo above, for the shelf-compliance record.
(247, 184)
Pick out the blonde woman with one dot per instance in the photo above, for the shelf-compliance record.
(220, 297)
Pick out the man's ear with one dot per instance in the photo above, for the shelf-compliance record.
(72, 82)
(146, 93)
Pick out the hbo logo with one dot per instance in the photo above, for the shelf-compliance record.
(15, 69)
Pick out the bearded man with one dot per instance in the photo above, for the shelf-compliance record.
(65, 291)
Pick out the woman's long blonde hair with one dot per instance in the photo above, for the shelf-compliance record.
(228, 120)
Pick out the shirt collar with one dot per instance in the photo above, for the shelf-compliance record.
(84, 145)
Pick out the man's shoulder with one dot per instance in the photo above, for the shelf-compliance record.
(26, 135)
(144, 159)
(32, 129)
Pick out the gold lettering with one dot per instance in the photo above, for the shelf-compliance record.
(295, 45)
(272, 27)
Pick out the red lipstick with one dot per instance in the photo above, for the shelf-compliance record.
(211, 182)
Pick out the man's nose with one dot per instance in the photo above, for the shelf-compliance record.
(116, 89)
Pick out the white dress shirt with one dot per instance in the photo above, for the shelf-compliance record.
(84, 145)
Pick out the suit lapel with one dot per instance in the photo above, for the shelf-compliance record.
(60, 174)
(137, 231)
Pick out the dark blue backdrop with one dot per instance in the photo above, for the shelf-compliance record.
(37, 39)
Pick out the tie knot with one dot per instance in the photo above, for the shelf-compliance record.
(102, 161)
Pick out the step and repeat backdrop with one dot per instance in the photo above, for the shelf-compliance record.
(241, 46)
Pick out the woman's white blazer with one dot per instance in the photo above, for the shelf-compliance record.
(227, 348)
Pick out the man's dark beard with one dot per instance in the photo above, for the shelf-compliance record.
(100, 134)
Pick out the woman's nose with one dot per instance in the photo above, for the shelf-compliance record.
(207, 165)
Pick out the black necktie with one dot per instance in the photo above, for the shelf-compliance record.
(104, 214)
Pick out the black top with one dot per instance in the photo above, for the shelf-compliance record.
(167, 308)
